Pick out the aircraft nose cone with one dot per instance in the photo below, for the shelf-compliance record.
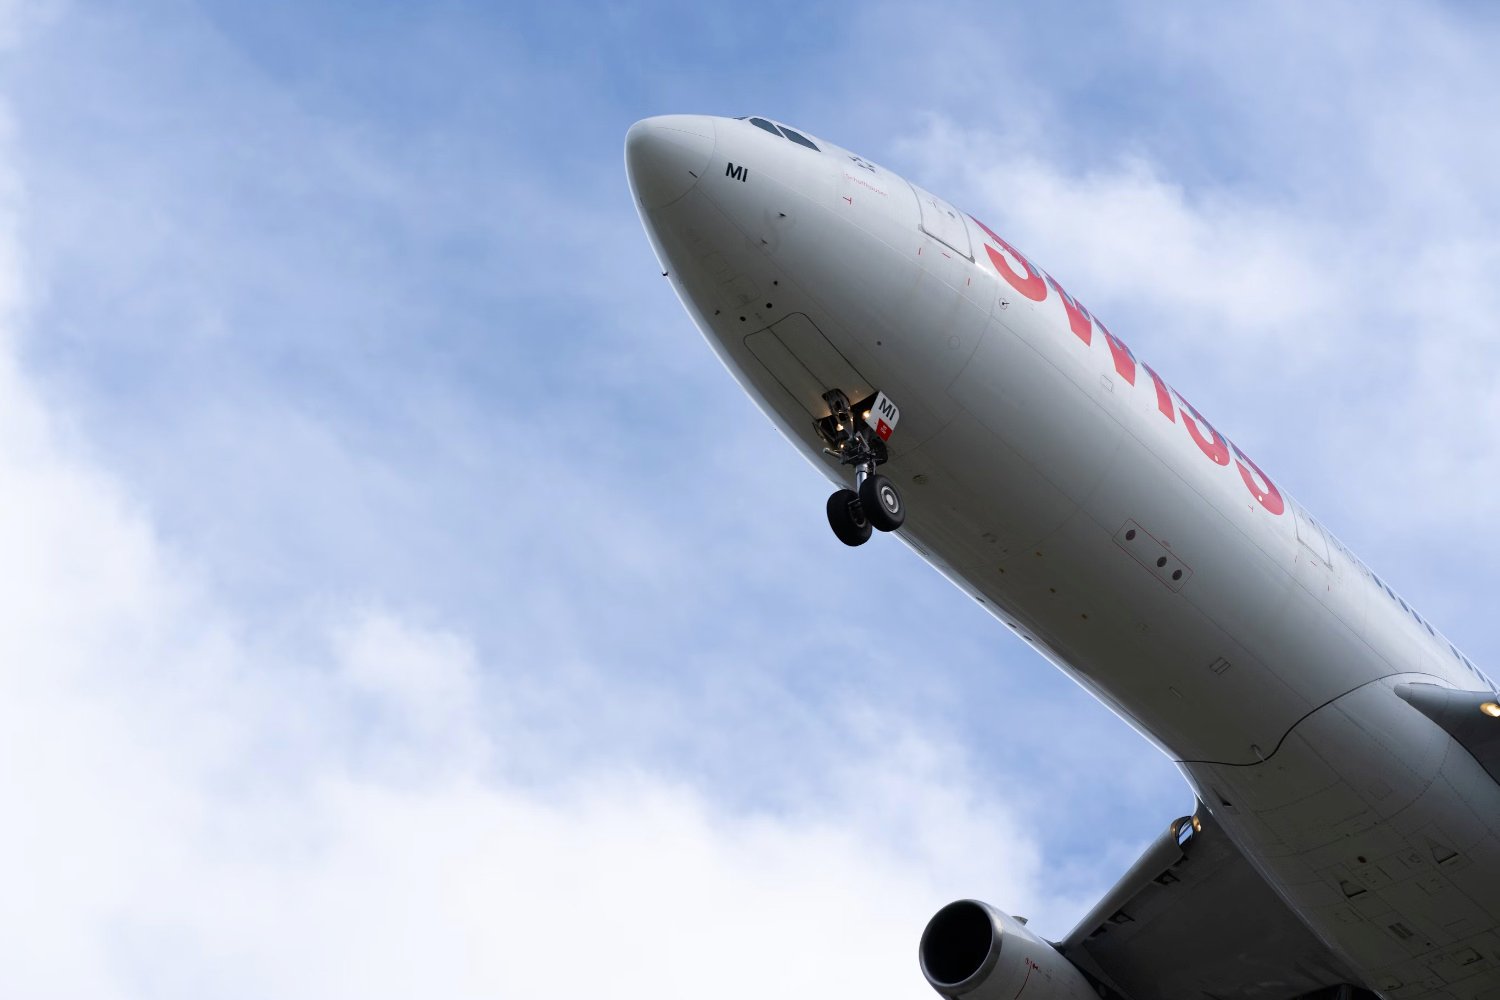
(665, 156)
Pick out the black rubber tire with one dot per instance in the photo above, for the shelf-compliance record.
(882, 503)
(846, 517)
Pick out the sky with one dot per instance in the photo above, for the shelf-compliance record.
(398, 598)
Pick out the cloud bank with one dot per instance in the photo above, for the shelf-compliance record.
(200, 805)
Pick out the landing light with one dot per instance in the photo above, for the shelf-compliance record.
(867, 414)
(1491, 709)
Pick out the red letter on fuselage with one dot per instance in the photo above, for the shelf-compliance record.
(1079, 320)
(1216, 449)
(1124, 360)
(1032, 286)
(1163, 396)
(1270, 497)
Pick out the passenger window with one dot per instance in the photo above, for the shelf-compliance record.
(762, 123)
(799, 139)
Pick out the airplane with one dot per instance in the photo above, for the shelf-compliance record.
(1345, 755)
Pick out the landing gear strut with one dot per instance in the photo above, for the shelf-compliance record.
(855, 439)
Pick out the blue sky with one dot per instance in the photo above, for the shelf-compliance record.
(386, 584)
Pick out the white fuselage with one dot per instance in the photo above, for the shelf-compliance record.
(1068, 488)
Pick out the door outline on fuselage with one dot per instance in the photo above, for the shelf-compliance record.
(1310, 535)
(943, 222)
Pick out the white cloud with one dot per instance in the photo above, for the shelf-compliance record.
(194, 810)
(202, 803)
(165, 844)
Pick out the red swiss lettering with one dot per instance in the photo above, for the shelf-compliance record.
(1124, 360)
(1032, 286)
(1163, 397)
(1270, 497)
(1079, 319)
(1216, 448)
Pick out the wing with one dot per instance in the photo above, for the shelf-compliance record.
(1192, 919)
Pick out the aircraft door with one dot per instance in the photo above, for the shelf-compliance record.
(943, 222)
(1310, 534)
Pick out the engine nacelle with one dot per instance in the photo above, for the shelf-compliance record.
(973, 951)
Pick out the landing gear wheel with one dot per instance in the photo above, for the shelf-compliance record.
(846, 517)
(882, 504)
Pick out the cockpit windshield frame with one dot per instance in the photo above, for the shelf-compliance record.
(783, 131)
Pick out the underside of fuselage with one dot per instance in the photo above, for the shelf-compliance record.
(1068, 489)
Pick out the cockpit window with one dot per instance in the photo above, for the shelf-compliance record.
(783, 132)
(799, 139)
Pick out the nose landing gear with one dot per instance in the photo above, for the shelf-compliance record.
(846, 516)
(858, 438)
(883, 506)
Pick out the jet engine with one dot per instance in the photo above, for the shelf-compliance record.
(971, 950)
